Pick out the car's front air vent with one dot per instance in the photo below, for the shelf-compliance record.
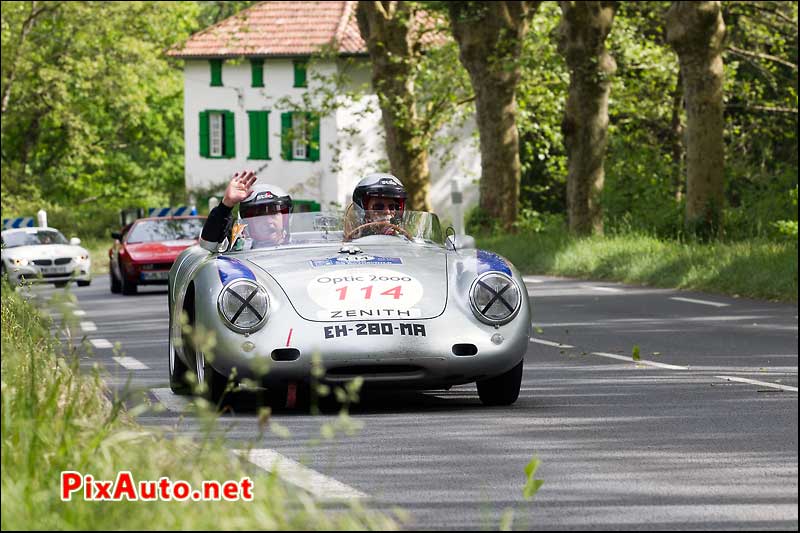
(42, 262)
(465, 349)
(285, 354)
(63, 260)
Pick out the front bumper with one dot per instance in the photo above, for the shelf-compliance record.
(74, 271)
(400, 353)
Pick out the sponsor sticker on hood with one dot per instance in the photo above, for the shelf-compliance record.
(357, 259)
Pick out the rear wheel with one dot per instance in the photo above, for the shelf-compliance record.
(503, 389)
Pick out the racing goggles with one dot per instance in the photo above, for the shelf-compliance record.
(272, 208)
(391, 205)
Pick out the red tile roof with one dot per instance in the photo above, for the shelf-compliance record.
(278, 29)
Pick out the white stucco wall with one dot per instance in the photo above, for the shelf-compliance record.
(351, 139)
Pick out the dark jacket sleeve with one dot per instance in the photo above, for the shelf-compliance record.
(217, 226)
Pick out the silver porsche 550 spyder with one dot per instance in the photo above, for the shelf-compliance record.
(394, 303)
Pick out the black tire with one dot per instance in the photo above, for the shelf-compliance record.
(177, 369)
(82, 283)
(116, 286)
(128, 287)
(60, 284)
(215, 383)
(503, 389)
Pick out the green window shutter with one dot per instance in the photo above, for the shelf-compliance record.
(259, 134)
(258, 72)
(216, 72)
(229, 148)
(205, 150)
(300, 73)
(286, 136)
(313, 148)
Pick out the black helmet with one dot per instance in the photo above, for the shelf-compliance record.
(378, 184)
(265, 199)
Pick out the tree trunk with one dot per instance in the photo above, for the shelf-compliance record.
(696, 31)
(385, 27)
(489, 37)
(676, 132)
(583, 31)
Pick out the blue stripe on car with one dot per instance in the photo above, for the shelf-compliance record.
(488, 261)
(230, 269)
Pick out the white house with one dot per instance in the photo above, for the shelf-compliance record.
(246, 80)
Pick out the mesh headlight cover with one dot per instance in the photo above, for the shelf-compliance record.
(244, 305)
(495, 298)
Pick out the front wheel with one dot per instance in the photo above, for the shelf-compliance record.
(503, 389)
(86, 283)
(212, 384)
(116, 286)
(128, 287)
(177, 369)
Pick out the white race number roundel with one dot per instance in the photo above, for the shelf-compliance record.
(365, 289)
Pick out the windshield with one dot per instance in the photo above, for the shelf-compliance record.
(49, 236)
(268, 231)
(166, 230)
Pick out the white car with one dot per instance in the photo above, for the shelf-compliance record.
(44, 255)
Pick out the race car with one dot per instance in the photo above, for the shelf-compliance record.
(44, 255)
(144, 250)
(401, 308)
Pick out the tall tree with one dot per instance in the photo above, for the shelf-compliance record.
(490, 36)
(395, 48)
(696, 32)
(583, 31)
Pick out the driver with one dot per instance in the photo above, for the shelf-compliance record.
(378, 199)
(263, 208)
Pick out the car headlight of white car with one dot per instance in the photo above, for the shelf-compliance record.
(82, 257)
(495, 298)
(244, 305)
(18, 261)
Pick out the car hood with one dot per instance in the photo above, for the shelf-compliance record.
(157, 252)
(405, 281)
(44, 251)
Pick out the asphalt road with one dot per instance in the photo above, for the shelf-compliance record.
(699, 434)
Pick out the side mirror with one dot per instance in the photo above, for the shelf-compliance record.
(465, 242)
(74, 241)
(116, 235)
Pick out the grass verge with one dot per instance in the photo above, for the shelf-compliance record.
(753, 268)
(54, 419)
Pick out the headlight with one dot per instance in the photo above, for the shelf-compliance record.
(82, 258)
(244, 305)
(495, 298)
(19, 262)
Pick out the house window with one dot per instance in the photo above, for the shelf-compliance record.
(300, 136)
(215, 134)
(259, 134)
(216, 72)
(257, 68)
(300, 73)
(299, 141)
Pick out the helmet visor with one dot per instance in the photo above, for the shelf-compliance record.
(271, 208)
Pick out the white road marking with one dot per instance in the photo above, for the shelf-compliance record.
(701, 302)
(322, 487)
(88, 326)
(101, 343)
(641, 361)
(79, 312)
(131, 364)
(551, 343)
(761, 383)
(170, 400)
(607, 289)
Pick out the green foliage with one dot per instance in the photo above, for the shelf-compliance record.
(56, 417)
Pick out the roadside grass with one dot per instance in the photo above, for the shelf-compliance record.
(56, 418)
(752, 268)
(98, 251)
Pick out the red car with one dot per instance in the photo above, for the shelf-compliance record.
(143, 252)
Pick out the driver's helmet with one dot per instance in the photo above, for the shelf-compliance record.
(380, 196)
(265, 212)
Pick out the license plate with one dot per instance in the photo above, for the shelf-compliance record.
(54, 270)
(152, 276)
